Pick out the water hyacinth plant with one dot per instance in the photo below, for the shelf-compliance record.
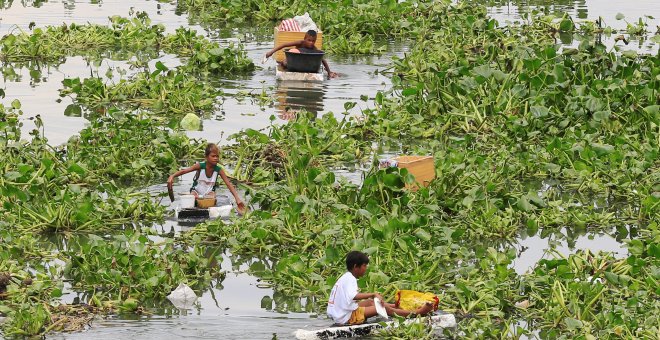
(529, 137)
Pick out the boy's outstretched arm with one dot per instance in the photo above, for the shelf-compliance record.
(327, 68)
(195, 167)
(239, 203)
(283, 45)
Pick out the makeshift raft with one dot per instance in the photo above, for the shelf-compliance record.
(436, 321)
(282, 74)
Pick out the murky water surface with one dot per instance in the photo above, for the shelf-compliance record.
(240, 306)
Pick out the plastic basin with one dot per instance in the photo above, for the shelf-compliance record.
(186, 201)
(309, 62)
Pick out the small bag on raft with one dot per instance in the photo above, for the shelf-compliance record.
(412, 299)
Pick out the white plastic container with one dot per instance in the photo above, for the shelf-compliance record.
(186, 201)
(221, 211)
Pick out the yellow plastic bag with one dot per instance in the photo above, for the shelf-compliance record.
(411, 299)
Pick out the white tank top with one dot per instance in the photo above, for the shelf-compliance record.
(204, 183)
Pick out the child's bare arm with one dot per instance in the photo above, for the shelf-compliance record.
(327, 68)
(283, 45)
(239, 202)
(362, 296)
(195, 167)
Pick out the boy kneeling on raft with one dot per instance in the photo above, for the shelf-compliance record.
(343, 305)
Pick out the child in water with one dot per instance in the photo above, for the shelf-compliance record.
(207, 175)
(304, 46)
(343, 305)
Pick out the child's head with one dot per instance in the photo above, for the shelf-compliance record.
(357, 262)
(310, 39)
(212, 153)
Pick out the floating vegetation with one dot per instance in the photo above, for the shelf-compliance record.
(349, 27)
(162, 92)
(74, 188)
(528, 136)
(53, 44)
(133, 266)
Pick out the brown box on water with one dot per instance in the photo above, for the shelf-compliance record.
(287, 36)
(422, 167)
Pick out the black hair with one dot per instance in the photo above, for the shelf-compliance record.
(210, 147)
(311, 33)
(356, 259)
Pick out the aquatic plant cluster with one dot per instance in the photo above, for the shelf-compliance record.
(529, 137)
(162, 91)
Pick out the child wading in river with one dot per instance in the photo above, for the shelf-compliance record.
(207, 176)
(343, 305)
(304, 46)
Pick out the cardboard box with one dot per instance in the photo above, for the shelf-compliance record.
(422, 167)
(282, 37)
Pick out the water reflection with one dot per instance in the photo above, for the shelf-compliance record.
(532, 247)
(294, 96)
(576, 8)
(225, 308)
(5, 4)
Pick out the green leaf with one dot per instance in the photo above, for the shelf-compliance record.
(378, 278)
(467, 201)
(595, 104)
(552, 167)
(160, 66)
(523, 204)
(35, 74)
(653, 110)
(602, 115)
(349, 105)
(332, 254)
(259, 233)
(215, 51)
(612, 278)
(191, 122)
(16, 104)
(636, 247)
(566, 25)
(630, 54)
(73, 110)
(13, 175)
(539, 111)
(152, 281)
(423, 235)
(602, 149)
(77, 169)
(393, 180)
(409, 91)
(619, 16)
(534, 198)
(572, 323)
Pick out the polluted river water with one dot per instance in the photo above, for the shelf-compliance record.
(240, 306)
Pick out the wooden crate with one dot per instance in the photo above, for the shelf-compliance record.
(422, 167)
(282, 37)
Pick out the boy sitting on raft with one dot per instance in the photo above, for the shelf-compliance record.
(343, 305)
(304, 46)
